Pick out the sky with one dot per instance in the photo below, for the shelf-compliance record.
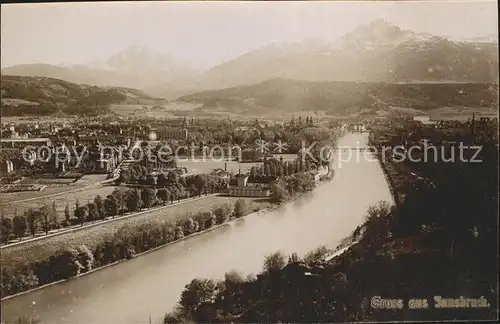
(209, 33)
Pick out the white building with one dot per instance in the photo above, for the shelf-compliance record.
(426, 120)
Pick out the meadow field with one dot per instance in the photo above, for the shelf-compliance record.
(461, 113)
(160, 111)
(60, 200)
(54, 189)
(16, 256)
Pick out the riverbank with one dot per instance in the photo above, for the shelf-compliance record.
(251, 211)
(388, 179)
(76, 228)
(135, 256)
(324, 216)
(15, 257)
(394, 253)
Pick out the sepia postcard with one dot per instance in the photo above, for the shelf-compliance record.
(249, 162)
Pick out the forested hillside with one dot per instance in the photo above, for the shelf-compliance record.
(45, 96)
(341, 97)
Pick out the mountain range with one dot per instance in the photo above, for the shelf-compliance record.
(134, 67)
(376, 52)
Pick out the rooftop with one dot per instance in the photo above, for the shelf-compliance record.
(261, 179)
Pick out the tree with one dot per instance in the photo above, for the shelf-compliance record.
(125, 177)
(150, 179)
(275, 261)
(210, 219)
(174, 193)
(45, 219)
(197, 292)
(134, 178)
(232, 281)
(7, 228)
(162, 180)
(148, 197)
(32, 219)
(178, 232)
(173, 179)
(293, 258)
(189, 226)
(111, 206)
(199, 182)
(99, 203)
(67, 215)
(82, 214)
(286, 169)
(120, 196)
(376, 226)
(54, 222)
(192, 190)
(85, 258)
(222, 213)
(268, 136)
(164, 195)
(134, 202)
(291, 168)
(22, 282)
(77, 211)
(317, 255)
(67, 264)
(278, 191)
(92, 212)
(20, 226)
(240, 208)
(281, 167)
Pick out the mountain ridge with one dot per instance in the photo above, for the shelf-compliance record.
(45, 96)
(286, 95)
(375, 52)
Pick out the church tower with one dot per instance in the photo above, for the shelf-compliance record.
(473, 124)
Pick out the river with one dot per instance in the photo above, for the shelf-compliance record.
(150, 285)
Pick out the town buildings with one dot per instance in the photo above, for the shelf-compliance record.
(243, 188)
(24, 142)
(171, 134)
(426, 120)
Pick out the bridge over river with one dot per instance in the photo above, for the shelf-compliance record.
(150, 285)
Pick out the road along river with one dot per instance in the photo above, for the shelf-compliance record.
(150, 285)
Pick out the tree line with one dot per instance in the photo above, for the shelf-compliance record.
(119, 202)
(128, 241)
